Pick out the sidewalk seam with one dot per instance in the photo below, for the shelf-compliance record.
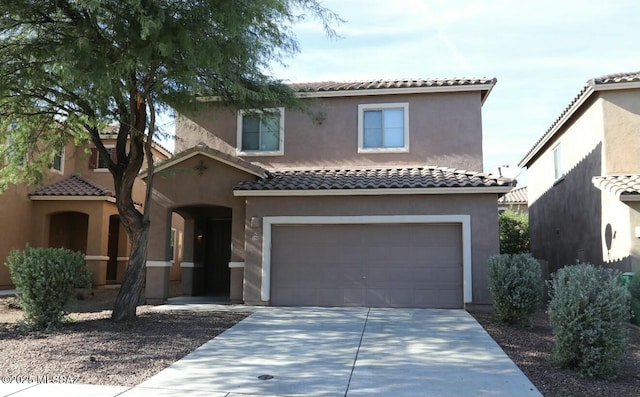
(355, 360)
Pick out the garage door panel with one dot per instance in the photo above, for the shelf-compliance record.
(353, 297)
(379, 265)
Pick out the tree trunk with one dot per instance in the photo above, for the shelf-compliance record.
(129, 295)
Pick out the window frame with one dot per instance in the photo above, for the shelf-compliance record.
(363, 107)
(61, 153)
(558, 172)
(98, 168)
(240, 120)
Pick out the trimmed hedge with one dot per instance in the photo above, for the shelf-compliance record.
(515, 282)
(588, 310)
(47, 278)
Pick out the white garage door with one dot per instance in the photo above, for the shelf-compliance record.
(374, 265)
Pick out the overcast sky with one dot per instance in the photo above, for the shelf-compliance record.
(542, 52)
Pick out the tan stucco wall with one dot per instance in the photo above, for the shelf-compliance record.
(445, 130)
(97, 233)
(621, 149)
(634, 222)
(177, 222)
(15, 212)
(482, 209)
(579, 139)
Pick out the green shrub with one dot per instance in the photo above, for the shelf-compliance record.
(515, 282)
(514, 232)
(634, 290)
(587, 311)
(46, 278)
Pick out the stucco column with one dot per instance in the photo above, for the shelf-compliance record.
(97, 242)
(158, 255)
(188, 267)
(236, 265)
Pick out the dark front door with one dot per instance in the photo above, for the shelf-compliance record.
(112, 249)
(218, 254)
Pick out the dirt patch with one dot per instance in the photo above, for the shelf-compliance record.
(531, 350)
(94, 350)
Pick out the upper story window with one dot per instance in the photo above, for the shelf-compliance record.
(97, 162)
(383, 127)
(557, 162)
(261, 132)
(58, 161)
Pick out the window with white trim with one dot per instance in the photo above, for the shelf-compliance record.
(58, 161)
(557, 162)
(383, 127)
(261, 132)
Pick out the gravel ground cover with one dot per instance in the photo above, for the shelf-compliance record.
(92, 349)
(531, 350)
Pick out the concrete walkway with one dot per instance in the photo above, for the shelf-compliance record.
(335, 352)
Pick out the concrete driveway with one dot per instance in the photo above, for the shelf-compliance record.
(345, 352)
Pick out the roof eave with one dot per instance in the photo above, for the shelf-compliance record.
(588, 91)
(556, 127)
(629, 197)
(374, 192)
(72, 198)
(484, 87)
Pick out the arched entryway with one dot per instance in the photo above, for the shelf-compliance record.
(207, 250)
(69, 230)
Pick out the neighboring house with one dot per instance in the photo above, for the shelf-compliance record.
(583, 179)
(74, 208)
(373, 196)
(515, 200)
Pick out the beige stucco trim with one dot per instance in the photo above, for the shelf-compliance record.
(158, 264)
(190, 265)
(629, 197)
(236, 265)
(96, 258)
(122, 258)
(618, 86)
(374, 192)
(73, 198)
(463, 219)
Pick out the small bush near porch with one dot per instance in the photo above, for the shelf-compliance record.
(47, 279)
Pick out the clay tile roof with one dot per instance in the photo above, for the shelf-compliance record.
(592, 84)
(618, 185)
(616, 78)
(515, 196)
(385, 84)
(75, 185)
(387, 178)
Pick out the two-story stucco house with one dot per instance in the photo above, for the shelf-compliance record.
(74, 208)
(584, 178)
(374, 196)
